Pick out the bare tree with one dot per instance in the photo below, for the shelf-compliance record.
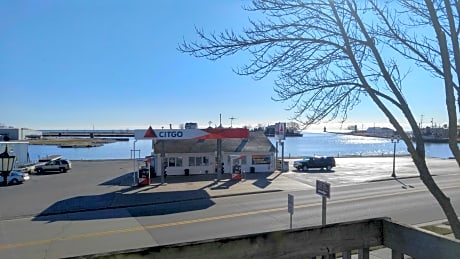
(438, 53)
(327, 55)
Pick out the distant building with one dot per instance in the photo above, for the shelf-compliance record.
(353, 128)
(191, 125)
(10, 133)
(269, 131)
(380, 131)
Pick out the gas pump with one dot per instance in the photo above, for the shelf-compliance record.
(144, 173)
(236, 167)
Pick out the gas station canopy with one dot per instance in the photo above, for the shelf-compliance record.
(178, 134)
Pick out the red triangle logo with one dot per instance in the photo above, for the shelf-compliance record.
(149, 133)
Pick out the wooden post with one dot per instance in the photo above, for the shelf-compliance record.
(363, 253)
(346, 255)
(324, 211)
(396, 254)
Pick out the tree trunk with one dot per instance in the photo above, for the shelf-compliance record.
(440, 197)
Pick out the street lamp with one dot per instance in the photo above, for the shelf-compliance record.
(6, 164)
(394, 140)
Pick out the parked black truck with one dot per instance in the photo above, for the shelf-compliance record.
(321, 162)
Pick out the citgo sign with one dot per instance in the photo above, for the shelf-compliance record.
(178, 134)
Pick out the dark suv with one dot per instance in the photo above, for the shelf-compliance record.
(60, 165)
(321, 162)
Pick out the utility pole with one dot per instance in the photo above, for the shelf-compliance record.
(220, 166)
(394, 140)
(231, 121)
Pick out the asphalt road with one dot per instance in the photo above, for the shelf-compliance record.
(97, 184)
(87, 178)
(24, 234)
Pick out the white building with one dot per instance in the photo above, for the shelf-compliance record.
(18, 149)
(255, 154)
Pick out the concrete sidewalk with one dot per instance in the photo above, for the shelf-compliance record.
(349, 171)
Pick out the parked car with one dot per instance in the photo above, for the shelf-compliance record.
(27, 168)
(60, 165)
(322, 162)
(16, 177)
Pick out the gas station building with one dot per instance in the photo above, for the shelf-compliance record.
(188, 155)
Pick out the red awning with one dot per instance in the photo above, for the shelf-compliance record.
(225, 133)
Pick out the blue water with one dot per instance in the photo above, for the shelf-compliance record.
(329, 144)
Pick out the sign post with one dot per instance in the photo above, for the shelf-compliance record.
(290, 208)
(280, 135)
(323, 189)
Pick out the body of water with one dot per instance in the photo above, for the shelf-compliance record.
(328, 144)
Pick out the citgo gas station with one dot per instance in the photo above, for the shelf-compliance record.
(205, 151)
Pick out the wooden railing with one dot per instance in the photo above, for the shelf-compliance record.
(330, 241)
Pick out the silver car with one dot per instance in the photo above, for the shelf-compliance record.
(16, 177)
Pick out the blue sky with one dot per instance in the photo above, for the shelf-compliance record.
(115, 65)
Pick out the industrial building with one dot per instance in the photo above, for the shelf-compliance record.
(10, 133)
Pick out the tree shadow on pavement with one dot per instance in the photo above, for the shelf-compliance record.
(404, 185)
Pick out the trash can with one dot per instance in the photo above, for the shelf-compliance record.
(252, 169)
(187, 172)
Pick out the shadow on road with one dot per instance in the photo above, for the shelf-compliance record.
(105, 206)
(146, 200)
(319, 170)
(134, 199)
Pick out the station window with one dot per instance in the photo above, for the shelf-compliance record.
(198, 161)
(237, 160)
(261, 159)
(175, 162)
(191, 161)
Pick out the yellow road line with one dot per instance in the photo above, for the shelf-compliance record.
(200, 220)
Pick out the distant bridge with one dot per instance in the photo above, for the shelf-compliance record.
(88, 133)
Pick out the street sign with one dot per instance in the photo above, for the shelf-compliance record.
(323, 188)
(280, 131)
(291, 203)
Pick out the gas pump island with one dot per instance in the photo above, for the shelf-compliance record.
(237, 173)
(145, 173)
